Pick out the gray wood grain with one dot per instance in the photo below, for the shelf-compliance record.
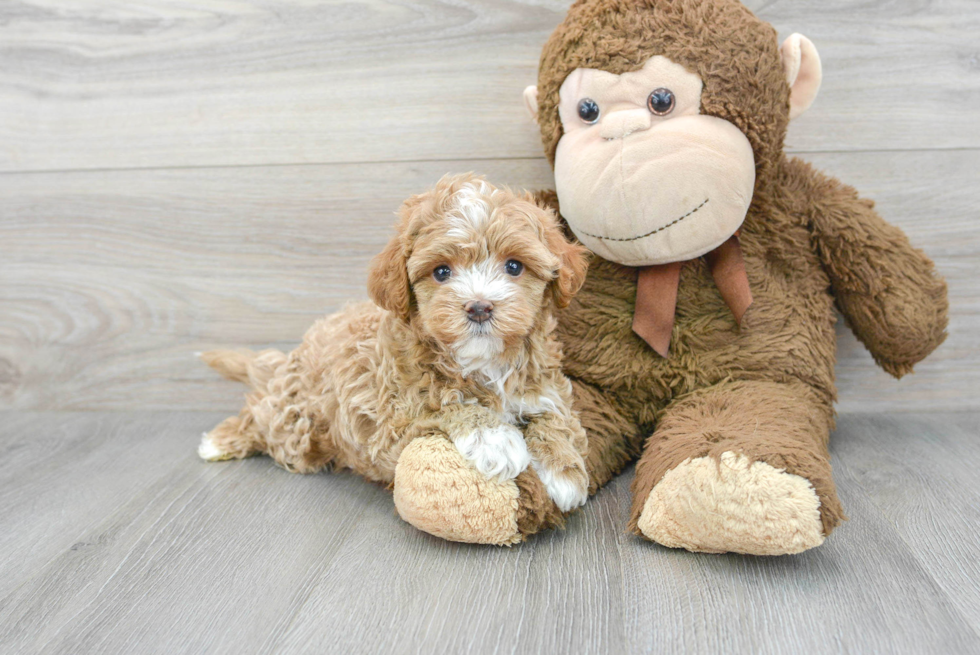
(856, 594)
(242, 557)
(154, 83)
(921, 472)
(560, 593)
(47, 469)
(112, 280)
(205, 559)
(175, 177)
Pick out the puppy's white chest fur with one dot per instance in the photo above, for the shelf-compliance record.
(516, 408)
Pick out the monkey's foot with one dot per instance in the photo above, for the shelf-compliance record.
(441, 493)
(733, 505)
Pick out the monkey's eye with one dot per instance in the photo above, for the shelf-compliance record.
(588, 110)
(661, 102)
(513, 267)
(442, 273)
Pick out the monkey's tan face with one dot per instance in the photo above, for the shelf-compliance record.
(642, 177)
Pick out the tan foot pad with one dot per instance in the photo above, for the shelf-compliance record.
(439, 492)
(733, 506)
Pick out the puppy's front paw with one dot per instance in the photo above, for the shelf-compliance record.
(496, 452)
(568, 488)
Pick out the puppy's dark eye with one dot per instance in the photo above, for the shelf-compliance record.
(661, 102)
(588, 110)
(442, 273)
(513, 267)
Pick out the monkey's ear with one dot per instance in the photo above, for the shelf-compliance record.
(388, 283)
(531, 101)
(803, 72)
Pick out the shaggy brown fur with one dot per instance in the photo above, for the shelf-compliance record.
(765, 390)
(368, 380)
(761, 393)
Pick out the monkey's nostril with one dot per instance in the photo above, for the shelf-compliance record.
(478, 310)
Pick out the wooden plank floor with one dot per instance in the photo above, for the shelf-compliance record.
(179, 176)
(117, 539)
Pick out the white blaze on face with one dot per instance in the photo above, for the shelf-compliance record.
(478, 347)
(472, 211)
(640, 188)
(487, 281)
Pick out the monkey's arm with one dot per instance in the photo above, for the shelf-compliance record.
(889, 292)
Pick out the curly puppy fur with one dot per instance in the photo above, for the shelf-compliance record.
(417, 362)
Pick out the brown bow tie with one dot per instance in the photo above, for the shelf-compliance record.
(656, 293)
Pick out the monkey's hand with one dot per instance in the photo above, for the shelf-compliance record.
(889, 292)
(456, 479)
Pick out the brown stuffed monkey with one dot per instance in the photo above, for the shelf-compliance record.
(703, 340)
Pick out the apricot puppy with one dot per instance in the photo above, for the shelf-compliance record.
(459, 342)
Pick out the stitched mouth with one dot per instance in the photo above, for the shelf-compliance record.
(652, 232)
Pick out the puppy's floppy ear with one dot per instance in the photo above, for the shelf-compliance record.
(574, 258)
(388, 280)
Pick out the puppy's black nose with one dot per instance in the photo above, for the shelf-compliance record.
(478, 311)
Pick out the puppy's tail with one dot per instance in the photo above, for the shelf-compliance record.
(253, 368)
